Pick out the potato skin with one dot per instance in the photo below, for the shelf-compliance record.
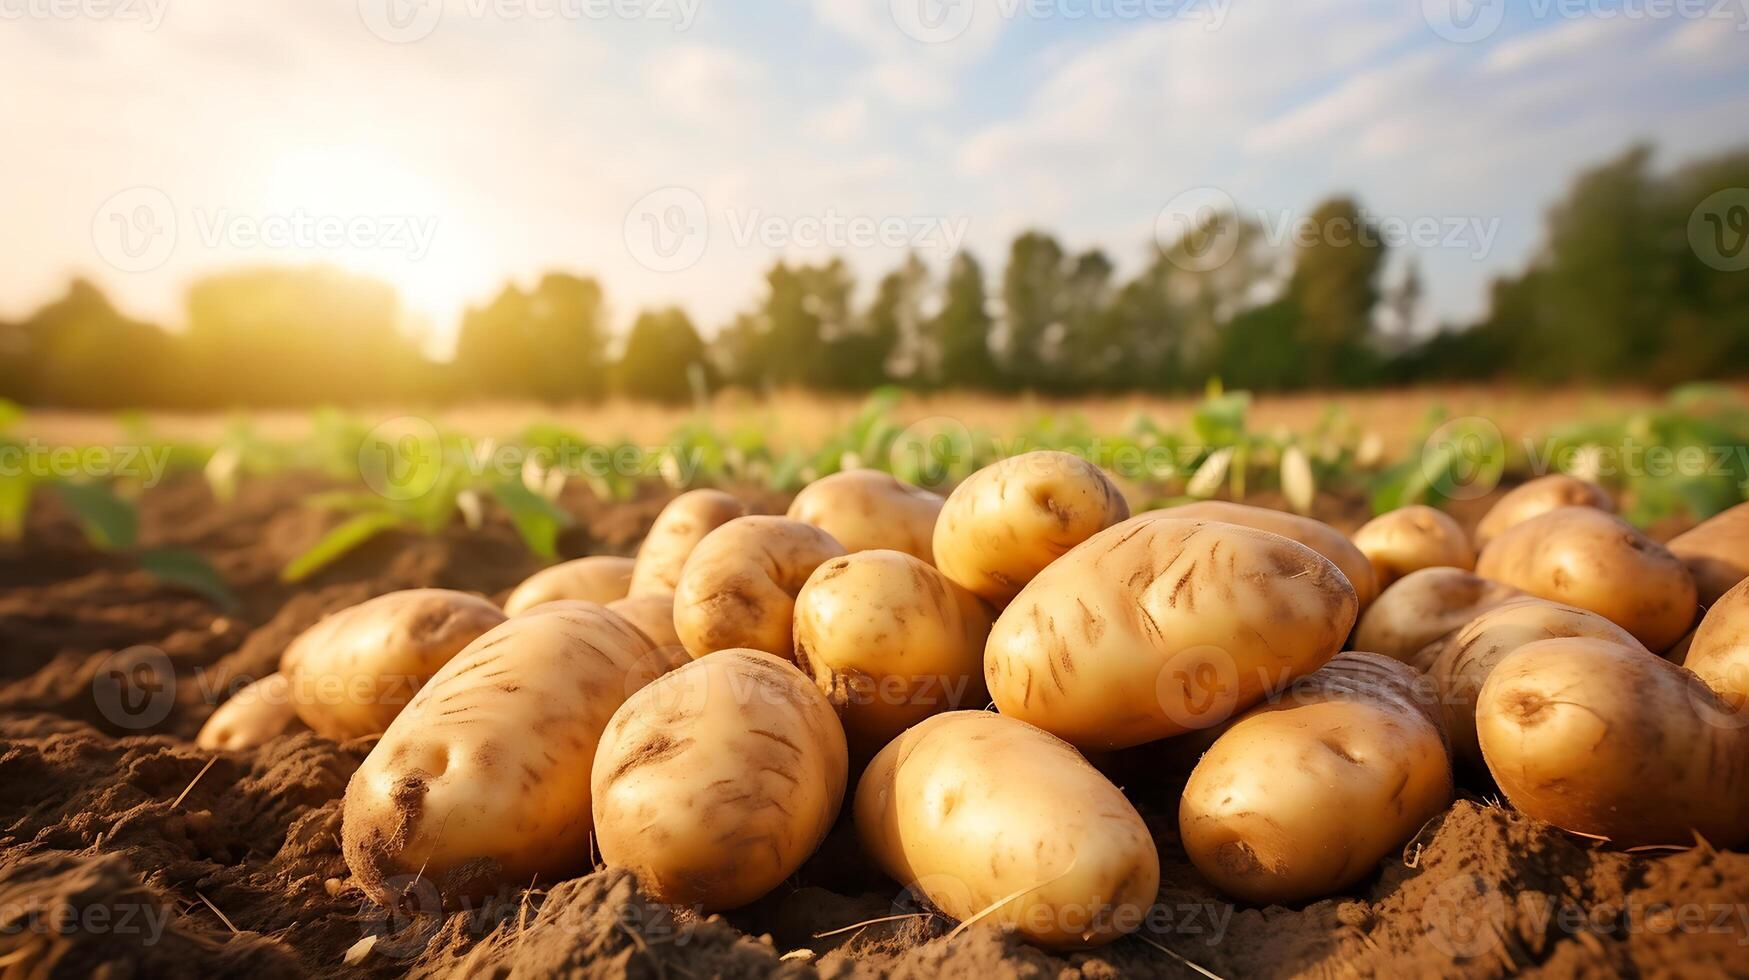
(254, 716)
(1314, 534)
(354, 671)
(1160, 626)
(1719, 654)
(1588, 558)
(653, 614)
(717, 781)
(1536, 498)
(866, 510)
(1304, 795)
(1610, 741)
(678, 529)
(1716, 552)
(970, 807)
(1423, 606)
(1409, 539)
(484, 779)
(598, 579)
(890, 641)
(739, 586)
(1009, 520)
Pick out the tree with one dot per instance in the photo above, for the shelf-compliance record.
(961, 331)
(1033, 304)
(80, 352)
(548, 343)
(1335, 288)
(662, 350)
(895, 334)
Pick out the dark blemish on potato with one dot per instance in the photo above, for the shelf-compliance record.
(1092, 626)
(784, 773)
(1238, 858)
(1181, 589)
(775, 737)
(1339, 750)
(657, 749)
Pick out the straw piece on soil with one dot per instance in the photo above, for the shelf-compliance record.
(190, 787)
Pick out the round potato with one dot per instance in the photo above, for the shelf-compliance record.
(739, 587)
(1611, 741)
(716, 782)
(1160, 626)
(1536, 498)
(1304, 796)
(354, 671)
(653, 614)
(1716, 552)
(1719, 654)
(598, 579)
(890, 641)
(986, 815)
(1316, 535)
(1409, 539)
(484, 779)
(678, 529)
(1588, 558)
(254, 716)
(1009, 520)
(1423, 606)
(866, 510)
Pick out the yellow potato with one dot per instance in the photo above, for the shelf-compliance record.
(1010, 519)
(1423, 606)
(890, 641)
(970, 809)
(484, 779)
(1316, 535)
(716, 782)
(1719, 654)
(598, 579)
(1716, 552)
(1160, 626)
(1304, 796)
(1611, 741)
(866, 510)
(1412, 538)
(652, 613)
(1538, 497)
(678, 529)
(254, 716)
(739, 587)
(1588, 558)
(354, 671)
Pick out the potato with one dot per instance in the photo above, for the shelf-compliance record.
(1010, 519)
(254, 716)
(484, 779)
(717, 781)
(1588, 558)
(653, 614)
(890, 641)
(1409, 539)
(1610, 741)
(598, 579)
(739, 587)
(1423, 606)
(354, 671)
(678, 529)
(971, 808)
(866, 510)
(1716, 552)
(1719, 654)
(1160, 626)
(1460, 663)
(1538, 497)
(1304, 796)
(1316, 535)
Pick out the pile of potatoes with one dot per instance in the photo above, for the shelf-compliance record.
(698, 713)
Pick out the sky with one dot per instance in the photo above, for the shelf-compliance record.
(675, 148)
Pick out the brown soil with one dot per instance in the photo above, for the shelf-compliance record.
(125, 850)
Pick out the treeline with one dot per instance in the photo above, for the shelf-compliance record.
(1633, 282)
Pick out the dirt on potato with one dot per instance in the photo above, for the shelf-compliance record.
(126, 850)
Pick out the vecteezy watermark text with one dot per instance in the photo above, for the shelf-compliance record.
(407, 21)
(941, 21)
(148, 14)
(38, 460)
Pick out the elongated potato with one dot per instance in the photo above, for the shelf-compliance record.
(717, 781)
(739, 587)
(1409, 539)
(1423, 606)
(1716, 552)
(1611, 741)
(890, 641)
(1588, 558)
(598, 579)
(254, 716)
(1536, 498)
(1316, 535)
(1009, 520)
(971, 808)
(1160, 626)
(866, 510)
(354, 671)
(652, 613)
(484, 779)
(678, 529)
(1719, 654)
(1304, 796)
(1460, 662)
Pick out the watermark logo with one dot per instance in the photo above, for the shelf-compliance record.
(135, 688)
(1718, 230)
(1464, 21)
(668, 229)
(401, 21)
(929, 452)
(401, 459)
(1199, 687)
(135, 229)
(1464, 458)
(1198, 229)
(1463, 917)
(404, 928)
(932, 21)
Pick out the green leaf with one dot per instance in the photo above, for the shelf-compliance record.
(109, 522)
(187, 570)
(537, 519)
(10, 413)
(336, 543)
(15, 493)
